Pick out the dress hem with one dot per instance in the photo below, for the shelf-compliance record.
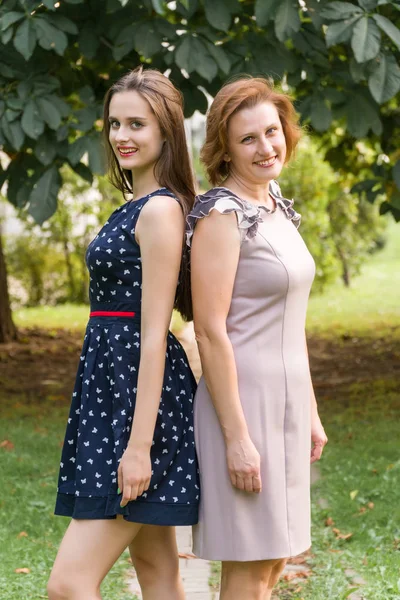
(148, 513)
(251, 558)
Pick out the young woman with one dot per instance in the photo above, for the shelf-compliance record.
(128, 470)
(255, 411)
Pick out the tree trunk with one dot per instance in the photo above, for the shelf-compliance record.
(345, 268)
(8, 330)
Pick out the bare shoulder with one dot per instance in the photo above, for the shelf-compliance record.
(159, 208)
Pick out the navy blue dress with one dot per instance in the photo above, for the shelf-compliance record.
(103, 401)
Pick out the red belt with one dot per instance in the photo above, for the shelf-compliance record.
(106, 313)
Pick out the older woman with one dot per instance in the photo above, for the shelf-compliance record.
(256, 418)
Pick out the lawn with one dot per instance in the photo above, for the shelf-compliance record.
(30, 439)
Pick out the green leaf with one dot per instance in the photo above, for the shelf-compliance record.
(50, 4)
(188, 53)
(396, 174)
(362, 115)
(11, 115)
(63, 23)
(7, 35)
(384, 82)
(43, 198)
(74, 1)
(77, 150)
(338, 11)
(207, 67)
(366, 39)
(49, 37)
(219, 56)
(89, 41)
(357, 70)
(217, 14)
(24, 89)
(158, 6)
(287, 20)
(386, 207)
(49, 112)
(9, 18)
(25, 39)
(341, 31)
(321, 115)
(387, 27)
(265, 11)
(13, 132)
(124, 43)
(31, 121)
(45, 150)
(86, 118)
(147, 40)
(15, 103)
(96, 158)
(185, 4)
(368, 5)
(83, 171)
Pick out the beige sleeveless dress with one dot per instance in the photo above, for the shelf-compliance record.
(265, 324)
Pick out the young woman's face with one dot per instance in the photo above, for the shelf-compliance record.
(256, 144)
(135, 134)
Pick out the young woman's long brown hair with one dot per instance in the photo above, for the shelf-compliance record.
(173, 168)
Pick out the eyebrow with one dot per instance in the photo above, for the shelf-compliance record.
(110, 118)
(252, 132)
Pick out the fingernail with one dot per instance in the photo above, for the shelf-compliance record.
(118, 491)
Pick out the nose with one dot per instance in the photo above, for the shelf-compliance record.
(265, 147)
(121, 135)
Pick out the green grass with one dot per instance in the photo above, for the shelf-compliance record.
(372, 301)
(360, 479)
(28, 475)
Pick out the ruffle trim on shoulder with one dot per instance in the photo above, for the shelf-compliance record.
(222, 200)
(284, 203)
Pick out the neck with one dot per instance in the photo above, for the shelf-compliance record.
(144, 182)
(257, 193)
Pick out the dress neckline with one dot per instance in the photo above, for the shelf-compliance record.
(263, 206)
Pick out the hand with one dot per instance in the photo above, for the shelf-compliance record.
(318, 439)
(244, 465)
(134, 473)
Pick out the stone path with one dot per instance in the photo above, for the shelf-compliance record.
(194, 571)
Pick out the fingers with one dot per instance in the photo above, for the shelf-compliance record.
(247, 483)
(316, 452)
(126, 495)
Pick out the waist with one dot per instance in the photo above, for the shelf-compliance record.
(114, 311)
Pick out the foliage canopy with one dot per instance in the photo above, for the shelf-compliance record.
(58, 57)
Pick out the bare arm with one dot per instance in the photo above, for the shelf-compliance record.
(214, 259)
(159, 232)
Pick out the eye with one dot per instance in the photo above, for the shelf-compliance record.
(247, 139)
(114, 124)
(136, 124)
(272, 130)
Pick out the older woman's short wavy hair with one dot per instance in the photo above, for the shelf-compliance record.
(245, 92)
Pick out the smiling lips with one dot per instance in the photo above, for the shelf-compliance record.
(125, 151)
(266, 163)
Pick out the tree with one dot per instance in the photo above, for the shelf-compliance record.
(58, 57)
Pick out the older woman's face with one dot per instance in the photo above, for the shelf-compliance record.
(256, 144)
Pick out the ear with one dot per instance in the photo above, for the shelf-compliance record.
(227, 158)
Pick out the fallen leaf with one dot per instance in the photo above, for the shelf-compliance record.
(184, 555)
(362, 509)
(329, 522)
(295, 575)
(353, 494)
(23, 570)
(7, 445)
(22, 534)
(340, 535)
(370, 505)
